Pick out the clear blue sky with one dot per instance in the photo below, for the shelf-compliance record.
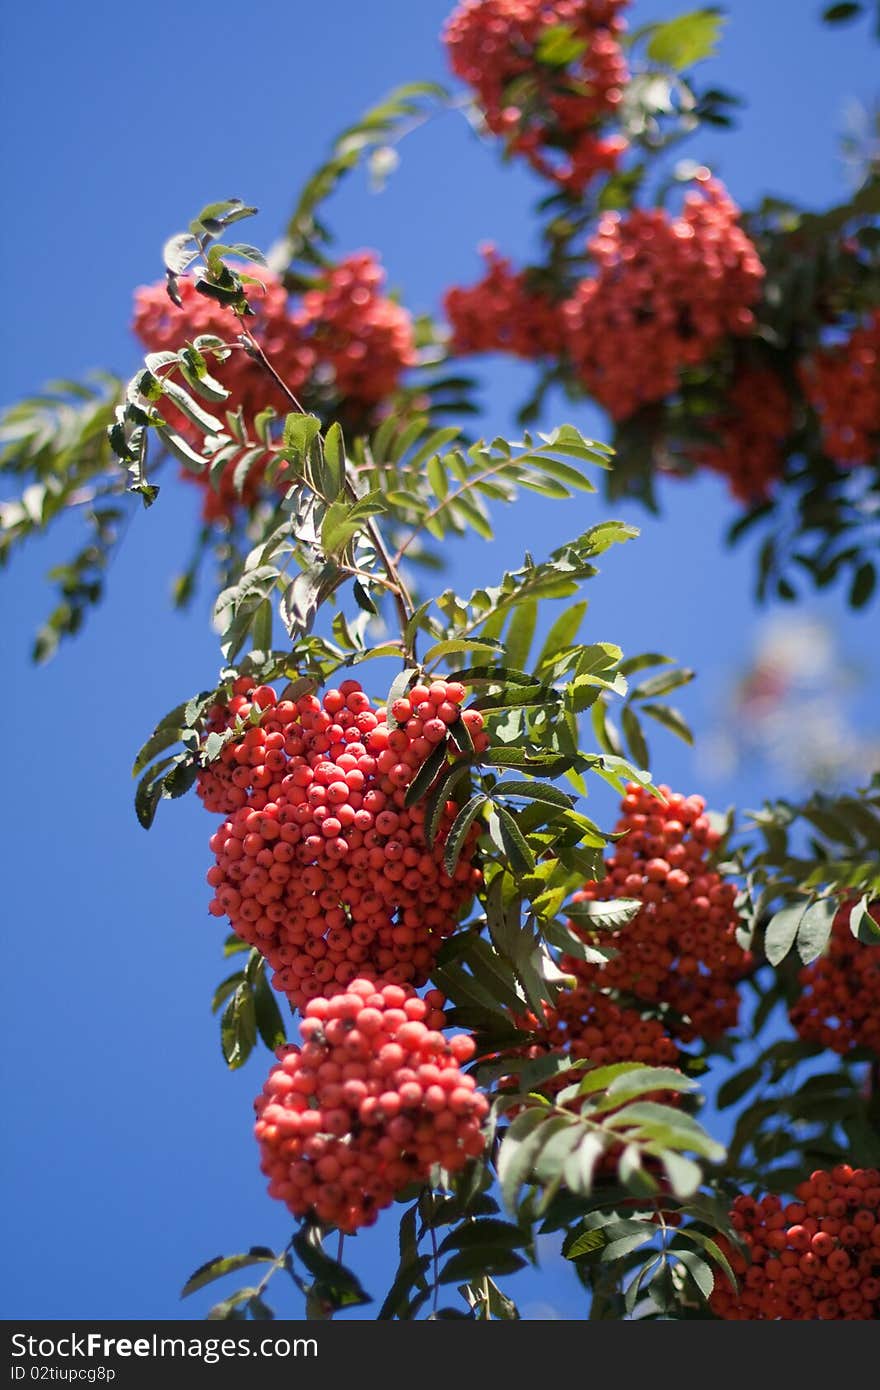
(130, 1158)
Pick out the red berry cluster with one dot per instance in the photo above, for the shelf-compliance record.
(586, 1024)
(359, 336)
(550, 112)
(667, 290)
(373, 1098)
(344, 334)
(681, 948)
(750, 431)
(502, 313)
(842, 384)
(816, 1257)
(839, 1004)
(323, 867)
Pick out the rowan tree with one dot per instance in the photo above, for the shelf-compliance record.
(470, 1010)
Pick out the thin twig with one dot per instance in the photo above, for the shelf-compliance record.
(402, 598)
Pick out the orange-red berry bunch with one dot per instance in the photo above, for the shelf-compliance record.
(816, 1257)
(219, 786)
(839, 1004)
(549, 111)
(681, 948)
(586, 1024)
(502, 313)
(361, 339)
(842, 383)
(324, 868)
(373, 1098)
(344, 334)
(750, 434)
(666, 291)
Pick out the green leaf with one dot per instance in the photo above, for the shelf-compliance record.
(624, 1245)
(147, 795)
(519, 1148)
(164, 736)
(609, 915)
(489, 1231)
(207, 423)
(300, 432)
(534, 791)
(839, 13)
(517, 849)
(587, 1243)
(671, 719)
(458, 832)
(712, 1249)
(468, 1264)
(667, 1127)
(241, 249)
(735, 1087)
(517, 697)
(431, 445)
(495, 675)
(580, 1166)
(182, 451)
(558, 46)
(683, 1173)
(334, 461)
(408, 1276)
(262, 627)
(426, 774)
(644, 1079)
(222, 214)
(563, 632)
(781, 932)
(455, 645)
(604, 730)
(681, 42)
(863, 585)
(520, 631)
(270, 1024)
(302, 597)
(259, 1310)
(441, 793)
(238, 1027)
(662, 684)
(226, 987)
(643, 661)
(363, 599)
(226, 1264)
(632, 730)
(344, 519)
(697, 1268)
(179, 252)
(863, 926)
(334, 1283)
(555, 1153)
(437, 478)
(814, 929)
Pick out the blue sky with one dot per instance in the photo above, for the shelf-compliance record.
(130, 1158)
